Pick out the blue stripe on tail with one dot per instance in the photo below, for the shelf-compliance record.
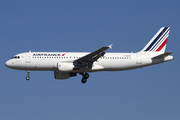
(159, 40)
(160, 34)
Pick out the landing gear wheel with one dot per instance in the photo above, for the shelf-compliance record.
(28, 73)
(86, 75)
(27, 78)
(84, 80)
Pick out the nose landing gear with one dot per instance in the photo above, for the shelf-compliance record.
(28, 73)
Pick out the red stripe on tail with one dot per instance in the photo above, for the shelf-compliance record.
(162, 45)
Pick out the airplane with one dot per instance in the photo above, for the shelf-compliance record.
(69, 64)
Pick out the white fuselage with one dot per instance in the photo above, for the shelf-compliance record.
(68, 64)
(47, 61)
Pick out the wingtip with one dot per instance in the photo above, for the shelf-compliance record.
(110, 46)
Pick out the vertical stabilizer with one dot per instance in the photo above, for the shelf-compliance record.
(158, 42)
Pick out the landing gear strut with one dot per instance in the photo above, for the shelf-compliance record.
(85, 77)
(27, 78)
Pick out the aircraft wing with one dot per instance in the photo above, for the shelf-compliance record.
(91, 57)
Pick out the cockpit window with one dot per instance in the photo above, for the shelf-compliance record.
(16, 57)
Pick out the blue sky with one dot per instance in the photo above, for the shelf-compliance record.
(150, 93)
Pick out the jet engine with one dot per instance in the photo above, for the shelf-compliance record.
(63, 75)
(65, 67)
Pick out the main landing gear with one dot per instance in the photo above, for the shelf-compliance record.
(28, 73)
(85, 77)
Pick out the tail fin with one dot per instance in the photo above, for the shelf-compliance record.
(158, 42)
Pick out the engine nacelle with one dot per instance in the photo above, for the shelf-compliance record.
(63, 75)
(65, 67)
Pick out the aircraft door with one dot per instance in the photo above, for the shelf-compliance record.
(138, 59)
(28, 57)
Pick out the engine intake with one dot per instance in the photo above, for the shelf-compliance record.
(65, 67)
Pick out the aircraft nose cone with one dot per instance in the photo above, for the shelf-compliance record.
(7, 63)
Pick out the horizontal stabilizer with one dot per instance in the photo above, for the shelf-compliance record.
(162, 55)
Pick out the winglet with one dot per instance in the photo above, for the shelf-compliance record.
(110, 46)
